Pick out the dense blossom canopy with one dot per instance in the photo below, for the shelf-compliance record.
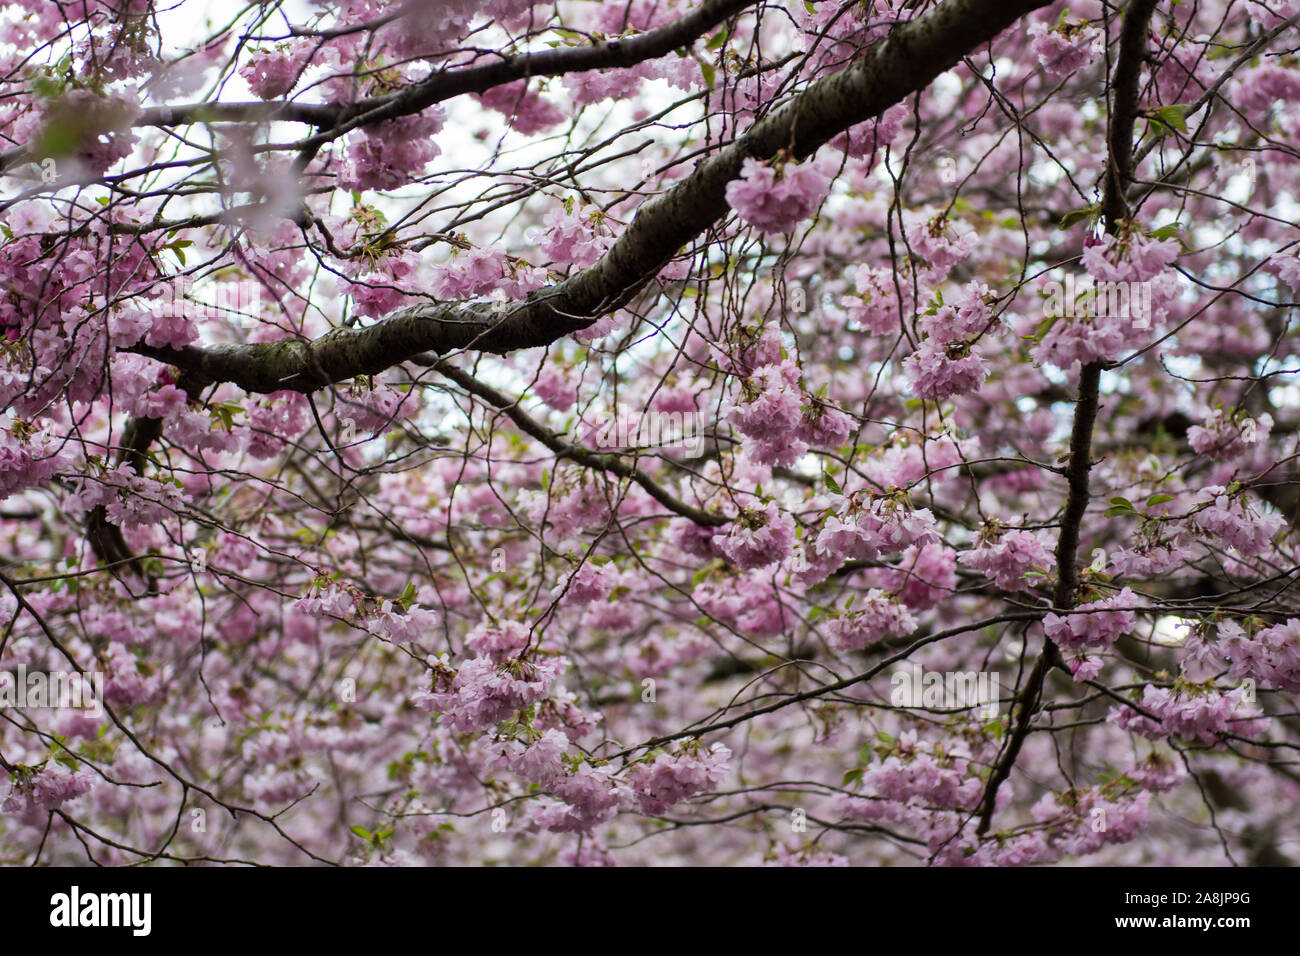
(649, 431)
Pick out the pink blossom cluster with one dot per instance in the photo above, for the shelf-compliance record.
(481, 271)
(774, 205)
(372, 409)
(1130, 261)
(875, 618)
(590, 582)
(47, 788)
(383, 286)
(780, 420)
(131, 500)
(669, 779)
(1270, 657)
(572, 239)
(126, 684)
(525, 110)
(274, 421)
(757, 539)
(948, 362)
(556, 388)
(272, 72)
(582, 796)
(872, 136)
(935, 245)
(864, 531)
(389, 154)
(592, 86)
(874, 307)
(1008, 558)
(1150, 559)
(29, 460)
(918, 773)
(498, 642)
(1192, 713)
(484, 693)
(1286, 267)
(1237, 521)
(1223, 438)
(745, 602)
(1082, 823)
(938, 372)
(924, 575)
(1093, 625)
(1135, 258)
(567, 510)
(1063, 48)
(1260, 86)
(583, 799)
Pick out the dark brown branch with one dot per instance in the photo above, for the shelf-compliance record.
(335, 119)
(904, 61)
(1119, 173)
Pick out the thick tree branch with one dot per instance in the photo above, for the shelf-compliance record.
(901, 63)
(1119, 173)
(335, 119)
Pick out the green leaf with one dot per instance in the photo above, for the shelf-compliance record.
(1174, 116)
(710, 73)
(1170, 231)
(852, 776)
(360, 831)
(831, 483)
(1158, 500)
(1120, 506)
(1078, 215)
(718, 39)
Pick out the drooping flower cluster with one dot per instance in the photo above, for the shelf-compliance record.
(780, 420)
(1239, 522)
(1190, 712)
(1008, 558)
(27, 458)
(1094, 625)
(948, 362)
(389, 154)
(775, 205)
(484, 693)
(759, 538)
(1065, 47)
(1223, 439)
(671, 778)
(1270, 657)
(47, 788)
(873, 619)
(273, 72)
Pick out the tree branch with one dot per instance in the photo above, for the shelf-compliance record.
(899, 64)
(1119, 173)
